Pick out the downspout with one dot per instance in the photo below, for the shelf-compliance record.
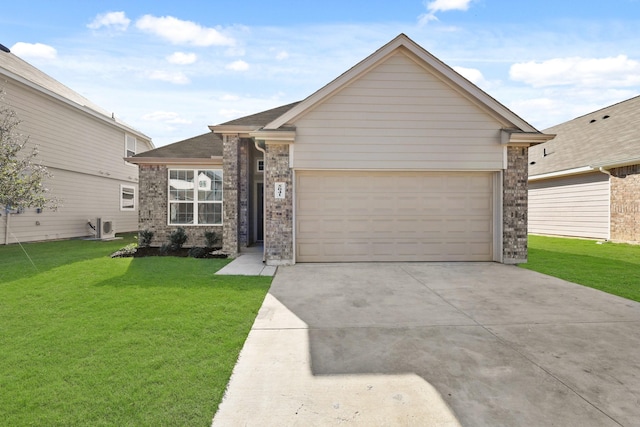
(259, 144)
(606, 172)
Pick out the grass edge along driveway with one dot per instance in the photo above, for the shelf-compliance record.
(90, 340)
(609, 267)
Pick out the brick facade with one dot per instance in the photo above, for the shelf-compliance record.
(625, 204)
(278, 239)
(153, 208)
(231, 171)
(515, 206)
(243, 191)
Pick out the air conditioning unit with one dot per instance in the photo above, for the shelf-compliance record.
(105, 229)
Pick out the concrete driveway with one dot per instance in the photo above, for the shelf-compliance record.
(420, 344)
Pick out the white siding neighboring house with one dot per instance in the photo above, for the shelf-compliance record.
(82, 145)
(586, 181)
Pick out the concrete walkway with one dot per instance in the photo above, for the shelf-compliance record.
(435, 344)
(248, 263)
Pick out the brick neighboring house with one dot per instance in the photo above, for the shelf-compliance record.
(586, 181)
(398, 159)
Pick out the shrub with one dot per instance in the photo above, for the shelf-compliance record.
(164, 249)
(145, 237)
(178, 237)
(197, 252)
(212, 238)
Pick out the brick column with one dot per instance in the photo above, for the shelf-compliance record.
(231, 172)
(514, 206)
(243, 193)
(625, 204)
(278, 233)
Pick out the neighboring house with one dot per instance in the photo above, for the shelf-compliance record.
(398, 159)
(83, 147)
(586, 181)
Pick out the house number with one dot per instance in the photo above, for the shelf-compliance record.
(280, 190)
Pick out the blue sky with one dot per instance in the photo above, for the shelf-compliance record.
(170, 68)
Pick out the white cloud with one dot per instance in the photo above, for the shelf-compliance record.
(472, 74)
(238, 65)
(182, 58)
(114, 20)
(441, 6)
(178, 31)
(165, 117)
(34, 50)
(607, 72)
(282, 55)
(171, 77)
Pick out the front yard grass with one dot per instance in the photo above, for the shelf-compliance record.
(610, 267)
(90, 340)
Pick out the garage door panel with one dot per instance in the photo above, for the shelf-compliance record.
(393, 216)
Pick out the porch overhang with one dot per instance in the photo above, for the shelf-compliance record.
(275, 136)
(517, 138)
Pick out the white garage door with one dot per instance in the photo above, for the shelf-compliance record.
(394, 216)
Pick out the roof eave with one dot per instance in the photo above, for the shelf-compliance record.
(213, 160)
(242, 130)
(562, 173)
(617, 163)
(516, 138)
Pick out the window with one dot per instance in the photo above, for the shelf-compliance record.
(127, 198)
(260, 166)
(195, 196)
(130, 146)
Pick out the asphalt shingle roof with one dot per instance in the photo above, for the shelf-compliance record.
(261, 119)
(609, 135)
(199, 147)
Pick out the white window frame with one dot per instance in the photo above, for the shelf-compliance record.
(122, 207)
(260, 166)
(127, 139)
(195, 202)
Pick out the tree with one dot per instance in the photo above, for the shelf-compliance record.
(21, 177)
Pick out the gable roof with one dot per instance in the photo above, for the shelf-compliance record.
(604, 138)
(19, 70)
(437, 67)
(262, 118)
(203, 148)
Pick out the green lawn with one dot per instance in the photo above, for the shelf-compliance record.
(90, 340)
(610, 267)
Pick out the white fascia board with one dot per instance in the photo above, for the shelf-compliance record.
(214, 160)
(566, 172)
(514, 137)
(617, 163)
(277, 136)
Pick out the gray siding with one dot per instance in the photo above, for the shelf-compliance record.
(85, 155)
(398, 116)
(575, 206)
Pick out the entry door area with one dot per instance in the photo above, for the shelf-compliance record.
(394, 216)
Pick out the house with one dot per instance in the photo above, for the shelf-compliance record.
(398, 159)
(83, 146)
(586, 181)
